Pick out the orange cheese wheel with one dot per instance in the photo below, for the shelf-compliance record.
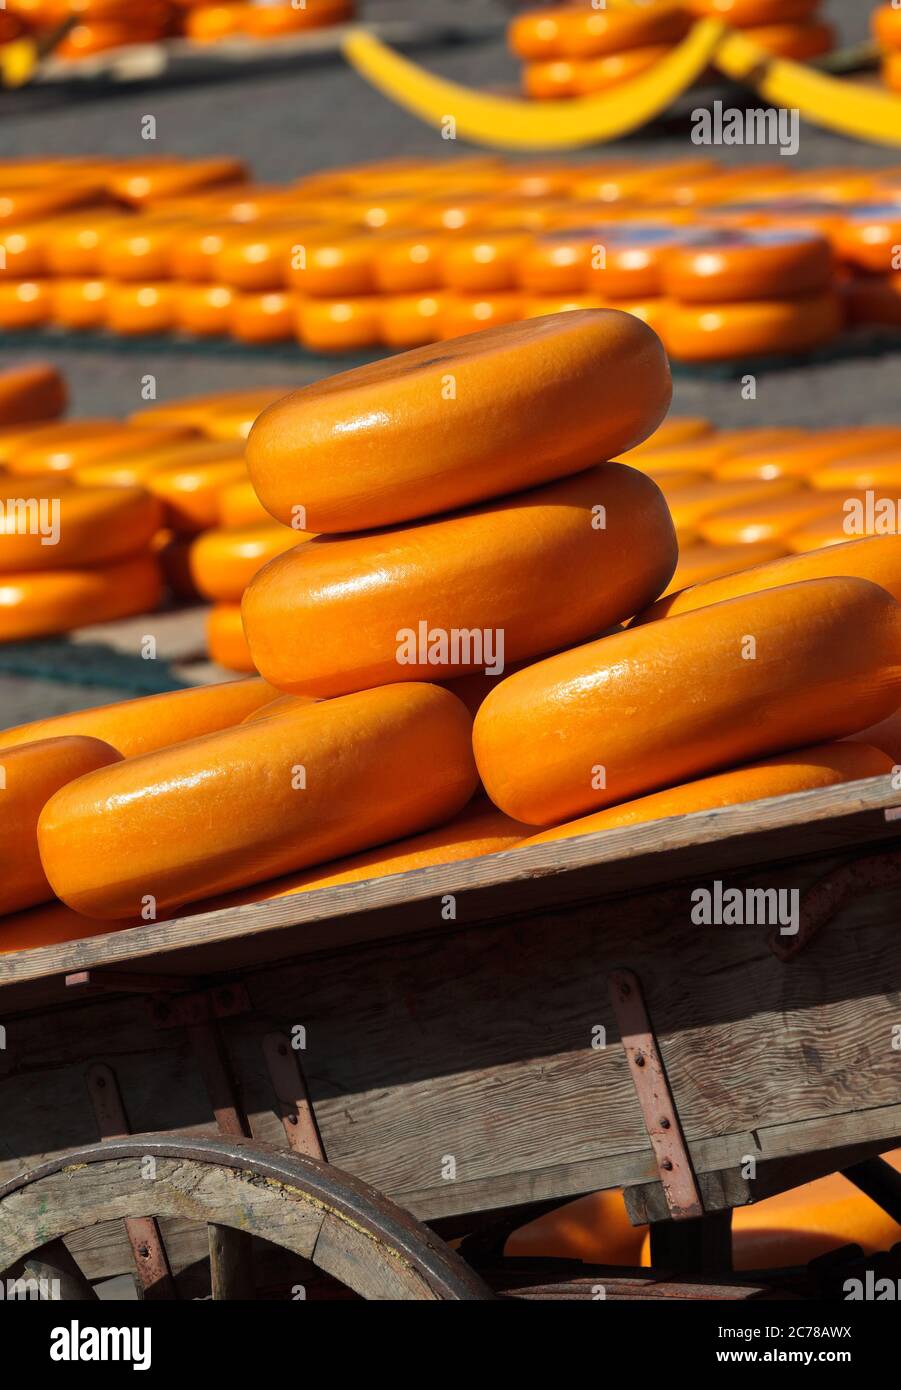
(549, 81)
(146, 181)
(407, 264)
(643, 709)
(712, 453)
(205, 310)
(709, 332)
(698, 563)
(440, 427)
(23, 249)
(140, 726)
(886, 736)
(880, 470)
(240, 506)
(868, 236)
(536, 34)
(629, 259)
(690, 505)
(193, 255)
(674, 430)
(263, 318)
(82, 526)
(478, 830)
(68, 448)
(799, 457)
(25, 303)
(31, 774)
(206, 413)
(483, 263)
(338, 325)
(38, 604)
(256, 257)
(558, 262)
(587, 32)
(411, 320)
(259, 800)
(545, 568)
(141, 249)
(225, 640)
(36, 391)
(332, 267)
(29, 203)
(190, 492)
(874, 558)
(79, 304)
(885, 22)
(796, 42)
(19, 439)
(763, 263)
(132, 470)
(210, 23)
(876, 300)
(136, 309)
(768, 519)
(611, 69)
(223, 562)
(464, 314)
(271, 21)
(824, 765)
(743, 13)
(86, 39)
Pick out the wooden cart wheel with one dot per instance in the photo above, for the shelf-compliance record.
(341, 1225)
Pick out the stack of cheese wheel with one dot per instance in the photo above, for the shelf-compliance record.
(577, 49)
(868, 240)
(886, 25)
(755, 292)
(68, 555)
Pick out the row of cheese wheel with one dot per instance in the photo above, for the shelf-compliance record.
(107, 24)
(576, 50)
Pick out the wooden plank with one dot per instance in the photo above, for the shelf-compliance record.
(509, 885)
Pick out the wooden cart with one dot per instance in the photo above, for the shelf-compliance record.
(319, 1094)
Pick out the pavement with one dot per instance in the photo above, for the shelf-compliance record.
(318, 115)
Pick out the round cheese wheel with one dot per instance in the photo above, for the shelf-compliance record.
(30, 776)
(146, 181)
(868, 236)
(799, 457)
(82, 526)
(223, 561)
(31, 202)
(559, 262)
(874, 558)
(805, 769)
(443, 426)
(140, 250)
(16, 440)
(611, 69)
(193, 256)
(136, 309)
(84, 40)
(296, 800)
(190, 492)
(629, 257)
(700, 562)
(240, 506)
(36, 391)
(710, 332)
(880, 470)
(263, 318)
(205, 310)
(464, 314)
(225, 640)
(764, 263)
(484, 263)
(256, 257)
(769, 518)
(690, 506)
(271, 21)
(411, 320)
(152, 721)
(332, 266)
(23, 249)
(536, 34)
(25, 303)
(338, 325)
(544, 568)
(79, 304)
(661, 705)
(68, 448)
(408, 264)
(206, 413)
(210, 23)
(587, 32)
(885, 21)
(133, 470)
(713, 451)
(549, 81)
(38, 604)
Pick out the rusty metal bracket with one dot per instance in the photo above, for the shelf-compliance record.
(824, 899)
(147, 1248)
(203, 1006)
(290, 1086)
(658, 1108)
